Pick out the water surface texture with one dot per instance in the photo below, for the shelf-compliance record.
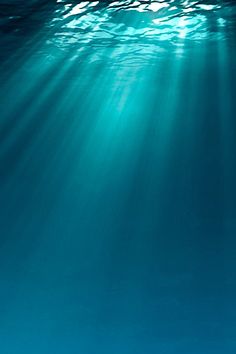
(117, 177)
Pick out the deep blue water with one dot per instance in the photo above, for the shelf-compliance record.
(117, 177)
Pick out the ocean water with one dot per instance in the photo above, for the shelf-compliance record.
(117, 177)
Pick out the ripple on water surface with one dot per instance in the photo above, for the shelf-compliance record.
(140, 28)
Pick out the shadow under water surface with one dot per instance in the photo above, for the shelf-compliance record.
(117, 177)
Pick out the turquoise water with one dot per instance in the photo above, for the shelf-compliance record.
(117, 171)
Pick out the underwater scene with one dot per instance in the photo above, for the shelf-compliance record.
(117, 177)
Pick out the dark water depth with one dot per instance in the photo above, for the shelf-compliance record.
(117, 177)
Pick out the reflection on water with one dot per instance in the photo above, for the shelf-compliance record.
(117, 177)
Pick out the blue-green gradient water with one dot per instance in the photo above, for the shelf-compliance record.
(117, 177)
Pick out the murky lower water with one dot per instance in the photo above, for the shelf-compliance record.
(117, 177)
